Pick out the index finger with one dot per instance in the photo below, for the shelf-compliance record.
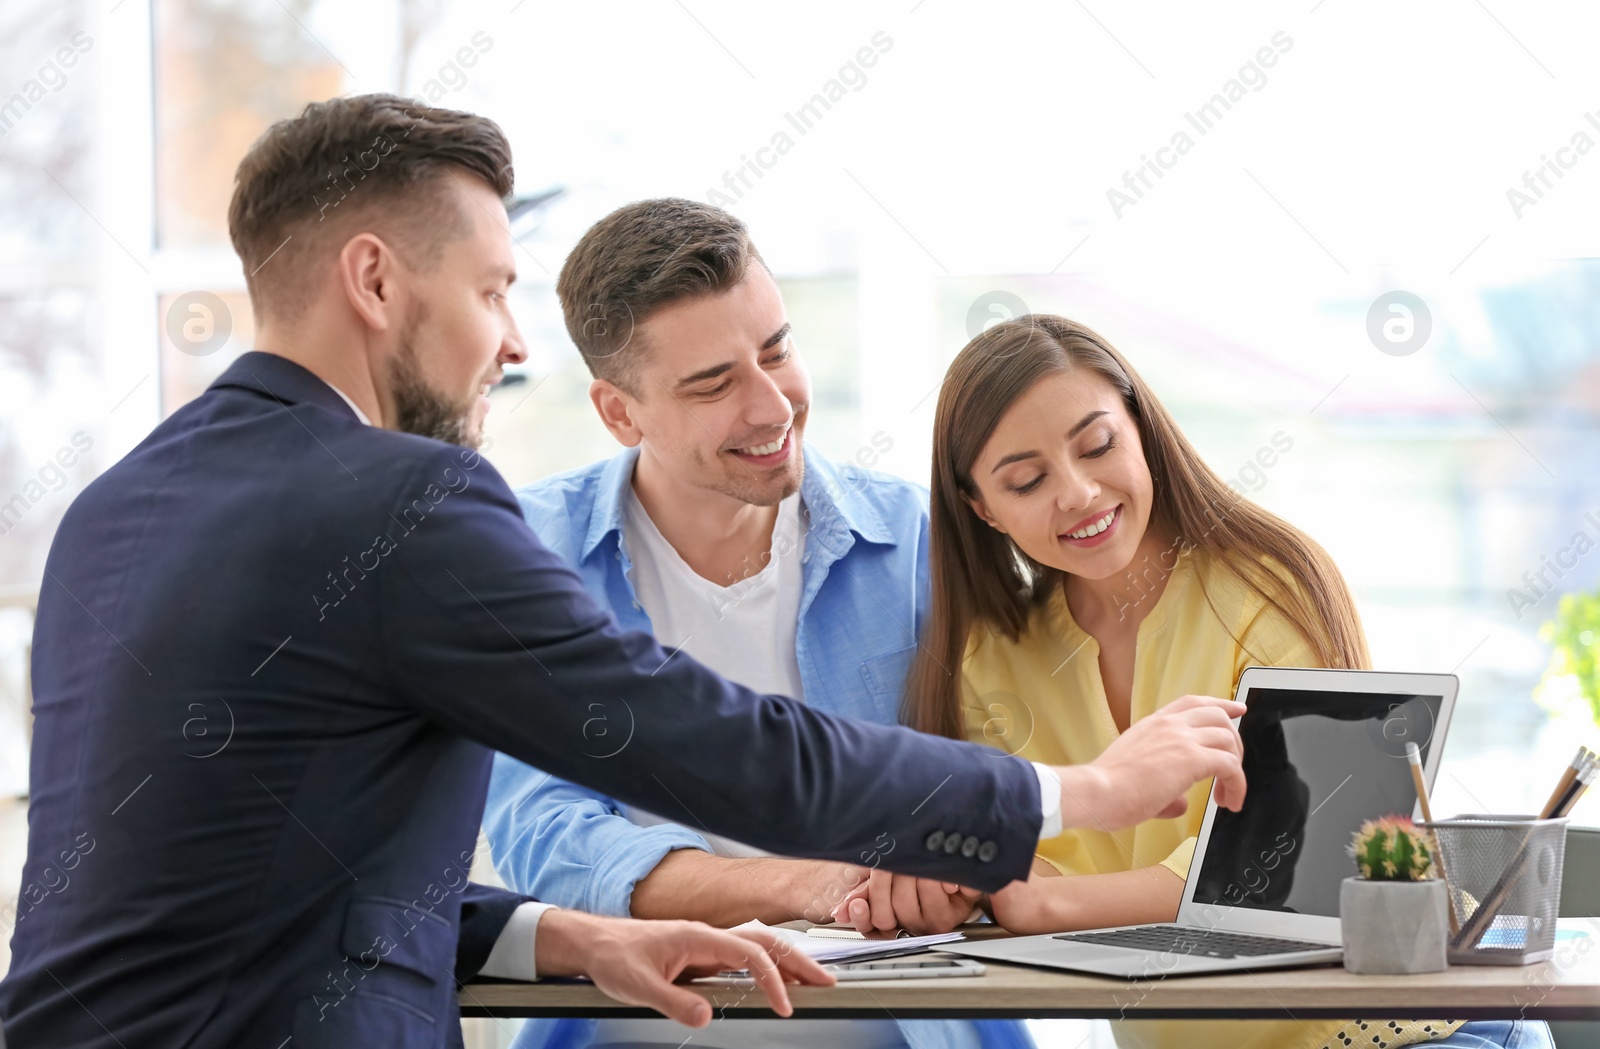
(791, 960)
(748, 952)
(841, 910)
(1230, 786)
(1232, 708)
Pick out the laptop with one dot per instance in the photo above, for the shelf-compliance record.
(1324, 750)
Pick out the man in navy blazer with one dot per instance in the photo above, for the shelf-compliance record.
(278, 640)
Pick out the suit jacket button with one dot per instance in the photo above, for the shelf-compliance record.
(952, 843)
(969, 848)
(935, 841)
(987, 851)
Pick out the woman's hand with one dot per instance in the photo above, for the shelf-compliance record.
(1050, 902)
(637, 961)
(886, 902)
(1025, 907)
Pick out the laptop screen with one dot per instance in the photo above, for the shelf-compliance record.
(1318, 764)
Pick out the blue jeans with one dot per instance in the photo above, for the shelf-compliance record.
(1495, 1034)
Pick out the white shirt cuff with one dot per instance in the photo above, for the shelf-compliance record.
(1049, 801)
(513, 957)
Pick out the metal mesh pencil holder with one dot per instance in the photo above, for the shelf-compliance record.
(1504, 879)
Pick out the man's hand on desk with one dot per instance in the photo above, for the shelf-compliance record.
(637, 961)
(1146, 770)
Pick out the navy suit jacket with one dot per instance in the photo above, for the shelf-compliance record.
(274, 650)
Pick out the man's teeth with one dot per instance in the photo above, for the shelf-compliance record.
(1096, 528)
(763, 449)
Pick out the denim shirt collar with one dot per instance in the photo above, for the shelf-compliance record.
(605, 517)
(836, 511)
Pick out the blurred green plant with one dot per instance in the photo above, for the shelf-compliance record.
(1573, 634)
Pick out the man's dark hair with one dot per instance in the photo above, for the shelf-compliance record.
(638, 259)
(377, 162)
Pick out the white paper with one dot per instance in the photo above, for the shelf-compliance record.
(830, 949)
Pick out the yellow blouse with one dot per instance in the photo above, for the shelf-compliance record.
(1041, 698)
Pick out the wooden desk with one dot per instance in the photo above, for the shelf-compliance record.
(1565, 988)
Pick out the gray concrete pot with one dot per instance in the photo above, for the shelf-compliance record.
(1393, 926)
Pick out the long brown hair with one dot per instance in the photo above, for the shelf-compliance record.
(979, 575)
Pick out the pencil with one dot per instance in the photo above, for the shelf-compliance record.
(1581, 784)
(1574, 787)
(1567, 776)
(1414, 759)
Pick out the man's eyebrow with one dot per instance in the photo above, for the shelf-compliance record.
(777, 337)
(717, 369)
(703, 374)
(1017, 457)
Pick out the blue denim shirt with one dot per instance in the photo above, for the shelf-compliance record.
(865, 578)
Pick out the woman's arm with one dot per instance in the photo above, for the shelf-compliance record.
(1046, 902)
(1051, 902)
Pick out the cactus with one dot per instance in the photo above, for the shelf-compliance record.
(1393, 849)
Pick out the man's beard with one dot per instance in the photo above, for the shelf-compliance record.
(420, 409)
(747, 489)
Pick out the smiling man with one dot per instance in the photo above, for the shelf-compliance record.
(720, 530)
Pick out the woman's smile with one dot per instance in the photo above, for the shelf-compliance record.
(1094, 530)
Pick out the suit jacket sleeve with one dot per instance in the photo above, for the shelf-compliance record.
(484, 913)
(488, 633)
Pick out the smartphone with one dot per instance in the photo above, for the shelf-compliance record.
(906, 968)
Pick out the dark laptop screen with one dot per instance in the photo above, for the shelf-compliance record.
(1317, 764)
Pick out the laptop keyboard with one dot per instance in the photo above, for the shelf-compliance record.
(1201, 943)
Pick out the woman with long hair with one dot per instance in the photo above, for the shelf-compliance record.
(1087, 569)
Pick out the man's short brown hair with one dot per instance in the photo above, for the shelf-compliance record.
(638, 259)
(380, 158)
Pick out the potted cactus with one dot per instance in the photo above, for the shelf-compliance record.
(1393, 916)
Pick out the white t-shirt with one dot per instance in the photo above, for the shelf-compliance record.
(746, 632)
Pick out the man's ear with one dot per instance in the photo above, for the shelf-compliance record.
(367, 271)
(616, 411)
(982, 511)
